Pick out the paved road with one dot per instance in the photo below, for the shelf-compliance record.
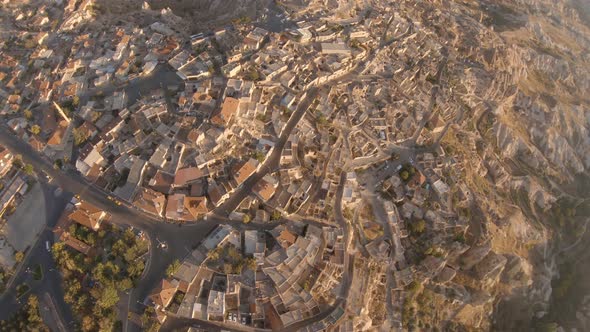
(38, 255)
(271, 163)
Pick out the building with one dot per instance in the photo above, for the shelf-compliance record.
(150, 201)
(9, 193)
(335, 48)
(186, 176)
(228, 110)
(216, 306)
(164, 293)
(6, 158)
(243, 171)
(196, 206)
(88, 215)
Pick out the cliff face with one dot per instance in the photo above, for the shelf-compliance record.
(519, 70)
(537, 137)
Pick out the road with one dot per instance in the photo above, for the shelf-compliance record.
(37, 254)
(271, 163)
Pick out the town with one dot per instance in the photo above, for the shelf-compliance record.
(304, 176)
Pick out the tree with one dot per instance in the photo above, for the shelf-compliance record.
(18, 161)
(418, 227)
(276, 215)
(405, 175)
(28, 169)
(28, 114)
(58, 164)
(246, 218)
(18, 256)
(172, 268)
(79, 136)
(88, 324)
(35, 130)
(108, 297)
(322, 120)
(125, 284)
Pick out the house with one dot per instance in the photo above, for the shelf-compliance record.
(150, 201)
(335, 48)
(175, 207)
(196, 206)
(217, 237)
(9, 193)
(6, 158)
(228, 109)
(162, 182)
(286, 239)
(243, 171)
(134, 179)
(76, 244)
(164, 293)
(88, 215)
(250, 240)
(186, 176)
(216, 306)
(265, 188)
(186, 274)
(255, 38)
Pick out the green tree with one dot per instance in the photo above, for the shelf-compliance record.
(418, 227)
(28, 114)
(246, 218)
(18, 161)
(108, 297)
(172, 268)
(405, 175)
(28, 169)
(88, 324)
(125, 284)
(35, 130)
(276, 215)
(18, 256)
(79, 136)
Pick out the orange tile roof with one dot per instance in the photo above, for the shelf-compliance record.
(229, 108)
(286, 238)
(151, 201)
(196, 206)
(243, 172)
(164, 293)
(76, 244)
(264, 189)
(87, 215)
(185, 176)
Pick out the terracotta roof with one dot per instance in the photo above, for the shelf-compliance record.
(87, 215)
(264, 190)
(161, 182)
(151, 201)
(229, 108)
(244, 171)
(196, 206)
(58, 134)
(164, 293)
(76, 244)
(286, 238)
(187, 175)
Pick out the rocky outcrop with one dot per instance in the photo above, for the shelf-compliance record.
(490, 268)
(474, 255)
